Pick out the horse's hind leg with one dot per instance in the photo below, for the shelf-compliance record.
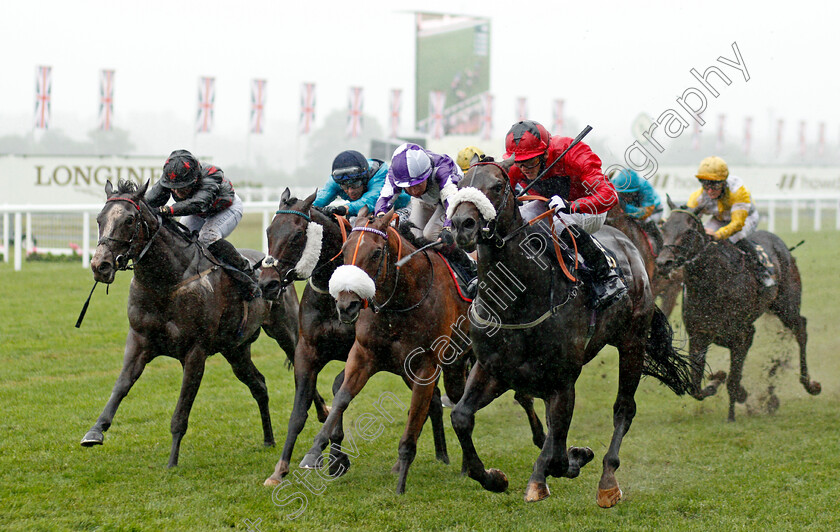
(737, 356)
(698, 344)
(193, 373)
(482, 389)
(537, 432)
(421, 397)
(245, 370)
(339, 461)
(798, 326)
(438, 432)
(134, 361)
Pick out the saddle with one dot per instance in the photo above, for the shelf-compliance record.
(462, 276)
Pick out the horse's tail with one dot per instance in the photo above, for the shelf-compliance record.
(668, 364)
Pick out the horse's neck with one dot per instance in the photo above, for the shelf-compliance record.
(330, 247)
(413, 274)
(167, 260)
(711, 270)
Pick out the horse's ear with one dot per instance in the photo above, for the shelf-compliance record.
(386, 218)
(698, 210)
(507, 163)
(286, 195)
(109, 188)
(141, 192)
(671, 204)
(363, 213)
(307, 203)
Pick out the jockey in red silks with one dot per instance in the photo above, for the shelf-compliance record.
(580, 195)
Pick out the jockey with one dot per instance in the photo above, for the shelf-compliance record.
(580, 196)
(429, 179)
(207, 203)
(734, 215)
(638, 196)
(468, 157)
(357, 180)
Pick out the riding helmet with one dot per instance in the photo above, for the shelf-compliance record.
(180, 170)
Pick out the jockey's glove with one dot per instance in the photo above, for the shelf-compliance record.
(560, 205)
(338, 210)
(165, 210)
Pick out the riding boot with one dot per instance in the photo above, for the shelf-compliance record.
(754, 263)
(241, 271)
(465, 265)
(606, 285)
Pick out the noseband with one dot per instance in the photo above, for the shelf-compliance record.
(122, 261)
(682, 254)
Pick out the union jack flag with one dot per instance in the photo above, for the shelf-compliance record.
(779, 127)
(354, 111)
(695, 136)
(821, 139)
(396, 104)
(307, 107)
(558, 118)
(747, 135)
(43, 94)
(522, 108)
(206, 97)
(721, 120)
(487, 116)
(257, 105)
(437, 101)
(802, 138)
(106, 99)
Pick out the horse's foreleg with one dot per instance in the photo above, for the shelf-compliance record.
(306, 376)
(527, 404)
(438, 431)
(697, 347)
(193, 373)
(421, 397)
(134, 361)
(339, 461)
(356, 374)
(482, 389)
(245, 370)
(737, 356)
(630, 365)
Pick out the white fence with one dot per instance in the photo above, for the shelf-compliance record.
(22, 241)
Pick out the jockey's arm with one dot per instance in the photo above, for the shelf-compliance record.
(327, 194)
(739, 217)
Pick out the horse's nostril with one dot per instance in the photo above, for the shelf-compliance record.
(104, 267)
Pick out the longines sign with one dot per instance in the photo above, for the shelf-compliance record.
(45, 179)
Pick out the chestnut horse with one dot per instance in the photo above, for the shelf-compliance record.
(305, 243)
(546, 331)
(723, 298)
(181, 305)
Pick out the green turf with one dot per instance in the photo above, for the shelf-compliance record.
(683, 466)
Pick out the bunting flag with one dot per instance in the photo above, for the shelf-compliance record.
(487, 116)
(43, 94)
(257, 106)
(396, 104)
(206, 98)
(522, 109)
(437, 103)
(720, 135)
(106, 99)
(307, 107)
(821, 139)
(802, 138)
(780, 125)
(695, 136)
(558, 118)
(355, 103)
(747, 134)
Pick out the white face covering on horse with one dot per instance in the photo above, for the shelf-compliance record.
(312, 250)
(474, 196)
(349, 278)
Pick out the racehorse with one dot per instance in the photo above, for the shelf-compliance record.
(668, 288)
(723, 298)
(407, 323)
(305, 243)
(181, 305)
(542, 337)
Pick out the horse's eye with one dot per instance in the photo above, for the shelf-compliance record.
(376, 253)
(497, 188)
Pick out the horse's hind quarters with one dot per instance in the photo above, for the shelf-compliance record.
(92, 438)
(609, 497)
(536, 491)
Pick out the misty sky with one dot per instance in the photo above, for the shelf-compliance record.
(608, 60)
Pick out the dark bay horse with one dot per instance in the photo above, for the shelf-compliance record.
(723, 298)
(667, 288)
(181, 305)
(541, 341)
(407, 323)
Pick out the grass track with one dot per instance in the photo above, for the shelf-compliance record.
(683, 466)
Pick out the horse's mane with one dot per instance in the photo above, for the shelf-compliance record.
(126, 187)
(405, 230)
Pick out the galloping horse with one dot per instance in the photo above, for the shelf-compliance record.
(723, 298)
(180, 305)
(305, 243)
(541, 341)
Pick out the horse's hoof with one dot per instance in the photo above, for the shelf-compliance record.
(310, 461)
(280, 471)
(93, 437)
(609, 497)
(813, 387)
(271, 481)
(536, 491)
(496, 481)
(443, 457)
(268, 443)
(583, 455)
(322, 416)
(772, 404)
(339, 466)
(741, 395)
(718, 376)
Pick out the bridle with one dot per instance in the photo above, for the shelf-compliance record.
(385, 259)
(122, 261)
(683, 254)
(488, 233)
